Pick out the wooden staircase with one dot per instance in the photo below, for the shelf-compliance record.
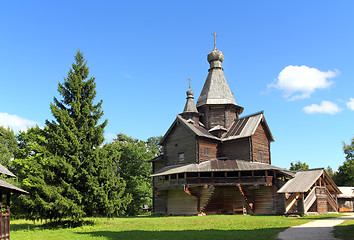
(248, 205)
(202, 193)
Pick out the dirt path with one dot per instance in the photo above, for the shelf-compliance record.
(319, 229)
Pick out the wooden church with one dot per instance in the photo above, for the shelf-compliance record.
(216, 162)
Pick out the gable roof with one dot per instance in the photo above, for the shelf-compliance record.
(5, 171)
(193, 128)
(347, 192)
(305, 179)
(246, 127)
(11, 187)
(218, 165)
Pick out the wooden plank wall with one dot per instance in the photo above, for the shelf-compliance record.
(157, 165)
(203, 157)
(260, 142)
(181, 203)
(264, 200)
(218, 115)
(236, 149)
(159, 203)
(180, 140)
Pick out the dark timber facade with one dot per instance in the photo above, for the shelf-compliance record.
(214, 161)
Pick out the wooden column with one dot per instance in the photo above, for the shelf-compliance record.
(301, 206)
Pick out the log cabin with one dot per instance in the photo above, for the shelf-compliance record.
(216, 162)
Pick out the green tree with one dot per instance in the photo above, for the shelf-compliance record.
(75, 137)
(345, 174)
(134, 168)
(330, 172)
(298, 166)
(8, 146)
(34, 166)
(62, 166)
(152, 145)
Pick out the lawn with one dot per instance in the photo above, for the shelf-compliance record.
(150, 227)
(344, 230)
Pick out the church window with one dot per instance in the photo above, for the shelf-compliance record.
(181, 157)
(207, 151)
(260, 156)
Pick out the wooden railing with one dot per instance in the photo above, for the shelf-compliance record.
(243, 180)
(291, 201)
(310, 199)
(332, 201)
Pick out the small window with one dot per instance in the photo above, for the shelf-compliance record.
(260, 156)
(207, 151)
(166, 177)
(181, 157)
(180, 175)
(173, 176)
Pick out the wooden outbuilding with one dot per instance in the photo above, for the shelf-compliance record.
(310, 191)
(346, 199)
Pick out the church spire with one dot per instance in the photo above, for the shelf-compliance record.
(216, 93)
(190, 111)
(190, 105)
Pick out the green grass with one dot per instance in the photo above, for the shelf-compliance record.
(170, 228)
(345, 230)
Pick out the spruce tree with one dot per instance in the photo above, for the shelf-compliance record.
(74, 138)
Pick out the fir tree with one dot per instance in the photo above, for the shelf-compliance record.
(63, 167)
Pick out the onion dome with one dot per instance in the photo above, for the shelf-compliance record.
(215, 55)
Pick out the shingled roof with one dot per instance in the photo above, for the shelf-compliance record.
(5, 171)
(305, 179)
(246, 127)
(218, 165)
(189, 124)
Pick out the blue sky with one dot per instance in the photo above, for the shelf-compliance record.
(292, 59)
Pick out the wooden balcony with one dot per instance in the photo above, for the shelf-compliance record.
(170, 183)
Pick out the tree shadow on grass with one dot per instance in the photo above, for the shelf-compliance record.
(49, 225)
(269, 233)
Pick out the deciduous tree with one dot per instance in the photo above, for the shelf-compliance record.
(298, 166)
(345, 174)
(8, 146)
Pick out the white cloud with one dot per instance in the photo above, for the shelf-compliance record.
(300, 82)
(350, 104)
(326, 107)
(15, 122)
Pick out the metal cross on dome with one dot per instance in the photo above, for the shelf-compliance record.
(190, 80)
(215, 39)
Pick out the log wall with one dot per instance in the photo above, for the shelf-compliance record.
(202, 145)
(218, 115)
(181, 203)
(236, 149)
(264, 200)
(260, 142)
(159, 203)
(180, 140)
